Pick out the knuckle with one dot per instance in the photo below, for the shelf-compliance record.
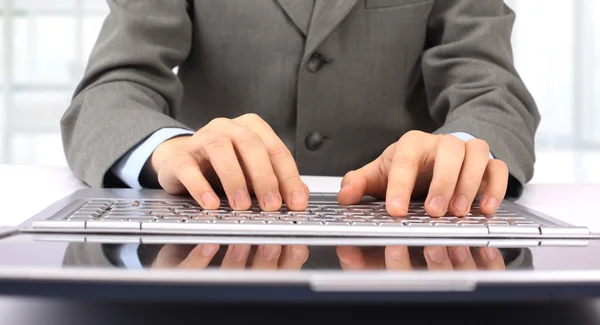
(470, 181)
(412, 134)
(405, 162)
(449, 140)
(231, 174)
(252, 117)
(213, 139)
(279, 152)
(219, 121)
(183, 161)
(497, 164)
(447, 177)
(244, 137)
(264, 178)
(478, 146)
(291, 179)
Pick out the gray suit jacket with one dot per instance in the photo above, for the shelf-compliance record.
(359, 72)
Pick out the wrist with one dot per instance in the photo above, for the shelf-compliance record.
(164, 150)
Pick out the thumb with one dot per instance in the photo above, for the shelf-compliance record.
(368, 180)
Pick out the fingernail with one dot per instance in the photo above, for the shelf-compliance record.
(397, 202)
(271, 201)
(397, 255)
(240, 252)
(208, 250)
(436, 254)
(208, 199)
(298, 197)
(298, 253)
(461, 203)
(270, 251)
(460, 255)
(490, 253)
(491, 203)
(438, 205)
(241, 199)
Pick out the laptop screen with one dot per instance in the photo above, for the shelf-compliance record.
(333, 265)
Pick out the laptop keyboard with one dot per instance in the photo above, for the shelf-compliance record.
(372, 214)
(323, 218)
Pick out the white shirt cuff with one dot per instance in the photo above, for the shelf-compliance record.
(129, 167)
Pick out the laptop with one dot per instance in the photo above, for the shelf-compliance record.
(114, 244)
(154, 212)
(226, 269)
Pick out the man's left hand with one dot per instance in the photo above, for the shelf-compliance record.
(450, 171)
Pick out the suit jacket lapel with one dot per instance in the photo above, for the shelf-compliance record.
(327, 14)
(299, 11)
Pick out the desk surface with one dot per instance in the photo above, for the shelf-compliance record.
(29, 189)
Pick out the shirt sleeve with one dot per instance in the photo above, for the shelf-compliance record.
(464, 136)
(129, 167)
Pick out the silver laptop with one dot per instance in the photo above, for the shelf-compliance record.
(154, 212)
(266, 269)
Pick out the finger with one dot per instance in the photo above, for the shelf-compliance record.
(477, 155)
(170, 255)
(182, 169)
(200, 256)
(218, 149)
(496, 175)
(293, 257)
(461, 258)
(236, 256)
(397, 258)
(255, 162)
(437, 258)
(291, 186)
(351, 257)
(409, 154)
(266, 257)
(489, 258)
(368, 180)
(449, 158)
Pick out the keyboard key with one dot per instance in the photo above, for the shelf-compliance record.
(203, 217)
(364, 223)
(234, 217)
(310, 222)
(219, 221)
(337, 223)
(280, 222)
(252, 222)
(506, 229)
(81, 217)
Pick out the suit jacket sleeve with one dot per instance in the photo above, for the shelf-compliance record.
(129, 86)
(472, 85)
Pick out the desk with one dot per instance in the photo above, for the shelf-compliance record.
(30, 189)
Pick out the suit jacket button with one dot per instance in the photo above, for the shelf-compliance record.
(314, 141)
(315, 62)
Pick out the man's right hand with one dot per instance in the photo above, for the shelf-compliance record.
(241, 155)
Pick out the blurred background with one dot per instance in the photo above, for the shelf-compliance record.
(44, 45)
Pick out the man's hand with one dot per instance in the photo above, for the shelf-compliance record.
(452, 173)
(241, 155)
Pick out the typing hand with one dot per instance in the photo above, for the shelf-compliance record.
(238, 256)
(451, 172)
(432, 258)
(243, 155)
